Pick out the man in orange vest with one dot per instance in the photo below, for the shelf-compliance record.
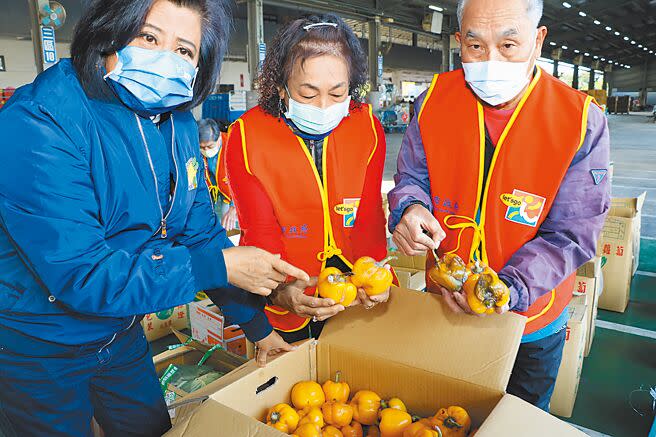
(506, 164)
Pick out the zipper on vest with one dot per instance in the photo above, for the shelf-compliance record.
(162, 228)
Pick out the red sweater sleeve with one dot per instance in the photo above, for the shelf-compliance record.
(369, 237)
(257, 220)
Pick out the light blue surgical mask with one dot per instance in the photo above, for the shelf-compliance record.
(152, 82)
(317, 121)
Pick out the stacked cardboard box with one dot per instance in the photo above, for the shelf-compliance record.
(569, 372)
(208, 326)
(413, 348)
(158, 325)
(579, 336)
(587, 289)
(619, 249)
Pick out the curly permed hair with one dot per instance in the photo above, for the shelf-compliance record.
(293, 43)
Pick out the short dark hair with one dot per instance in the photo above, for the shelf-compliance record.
(294, 42)
(208, 130)
(109, 26)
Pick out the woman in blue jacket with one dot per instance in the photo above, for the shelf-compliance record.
(104, 217)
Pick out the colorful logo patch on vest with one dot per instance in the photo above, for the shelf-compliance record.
(192, 174)
(523, 208)
(348, 209)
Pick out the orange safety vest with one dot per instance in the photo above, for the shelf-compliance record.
(316, 216)
(220, 176)
(530, 161)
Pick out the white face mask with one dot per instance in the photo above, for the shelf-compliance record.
(497, 82)
(317, 121)
(211, 153)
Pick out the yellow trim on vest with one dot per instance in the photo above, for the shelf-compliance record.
(497, 150)
(428, 96)
(243, 145)
(226, 198)
(331, 249)
(469, 223)
(373, 128)
(280, 313)
(584, 120)
(545, 309)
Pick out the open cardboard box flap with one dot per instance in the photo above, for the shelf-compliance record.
(627, 207)
(418, 330)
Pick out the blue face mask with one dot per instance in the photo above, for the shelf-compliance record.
(152, 82)
(317, 121)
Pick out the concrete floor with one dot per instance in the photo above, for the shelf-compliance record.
(619, 362)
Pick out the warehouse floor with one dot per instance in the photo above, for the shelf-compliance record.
(619, 361)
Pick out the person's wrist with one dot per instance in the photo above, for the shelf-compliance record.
(413, 206)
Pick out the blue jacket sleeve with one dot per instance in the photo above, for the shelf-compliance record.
(206, 238)
(49, 209)
(243, 309)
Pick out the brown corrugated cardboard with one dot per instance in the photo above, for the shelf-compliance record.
(586, 293)
(407, 262)
(411, 279)
(569, 372)
(619, 247)
(437, 359)
(160, 324)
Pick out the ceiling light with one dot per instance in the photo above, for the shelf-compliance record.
(639, 46)
(603, 59)
(645, 49)
(633, 42)
(597, 22)
(564, 47)
(586, 54)
(608, 28)
(436, 8)
(596, 57)
(577, 51)
(626, 38)
(552, 43)
(567, 5)
(583, 14)
(617, 33)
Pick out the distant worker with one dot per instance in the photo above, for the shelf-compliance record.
(212, 140)
(492, 176)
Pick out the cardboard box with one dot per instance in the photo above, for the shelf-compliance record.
(407, 262)
(411, 279)
(569, 372)
(191, 354)
(160, 324)
(438, 359)
(619, 249)
(586, 293)
(208, 326)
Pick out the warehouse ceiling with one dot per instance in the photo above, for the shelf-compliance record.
(572, 27)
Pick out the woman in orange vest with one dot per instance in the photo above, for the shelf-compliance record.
(306, 167)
